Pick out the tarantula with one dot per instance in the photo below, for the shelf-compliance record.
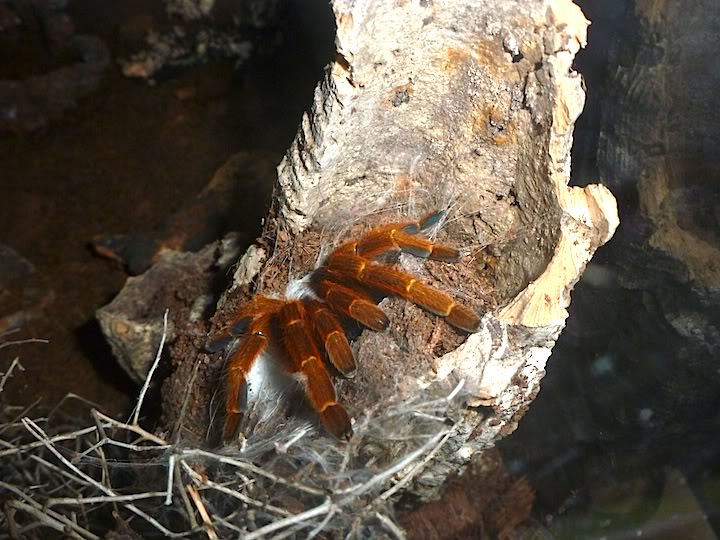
(348, 285)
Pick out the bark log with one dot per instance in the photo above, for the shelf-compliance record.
(432, 105)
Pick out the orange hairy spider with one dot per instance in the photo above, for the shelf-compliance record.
(348, 285)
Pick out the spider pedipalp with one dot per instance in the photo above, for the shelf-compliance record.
(310, 328)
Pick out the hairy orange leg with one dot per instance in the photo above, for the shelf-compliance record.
(331, 334)
(238, 367)
(242, 321)
(377, 243)
(397, 237)
(391, 281)
(353, 303)
(256, 307)
(306, 361)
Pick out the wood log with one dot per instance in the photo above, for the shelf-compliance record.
(437, 105)
(431, 105)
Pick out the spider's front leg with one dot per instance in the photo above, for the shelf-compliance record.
(402, 237)
(352, 264)
(243, 319)
(238, 368)
(253, 323)
(307, 362)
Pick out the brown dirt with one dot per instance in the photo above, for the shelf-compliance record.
(485, 502)
(122, 161)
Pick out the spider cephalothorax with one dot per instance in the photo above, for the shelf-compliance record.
(310, 329)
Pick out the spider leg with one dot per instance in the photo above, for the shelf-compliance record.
(391, 281)
(354, 304)
(250, 312)
(307, 362)
(330, 332)
(396, 239)
(242, 321)
(401, 237)
(239, 365)
(414, 227)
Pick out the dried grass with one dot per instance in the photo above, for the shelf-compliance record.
(82, 481)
